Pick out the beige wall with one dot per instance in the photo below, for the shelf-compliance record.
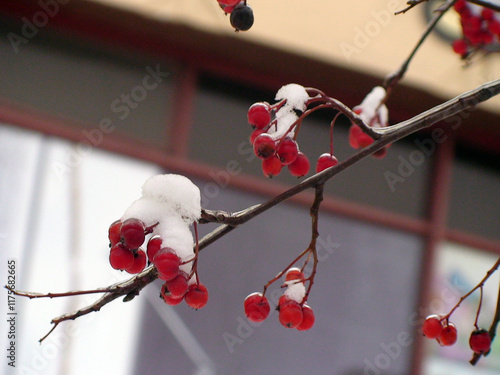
(362, 35)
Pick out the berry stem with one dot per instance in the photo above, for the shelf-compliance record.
(479, 306)
(284, 270)
(332, 124)
(196, 252)
(314, 212)
(492, 331)
(392, 79)
(478, 286)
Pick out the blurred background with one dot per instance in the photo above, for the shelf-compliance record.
(97, 96)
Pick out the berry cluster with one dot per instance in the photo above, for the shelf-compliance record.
(241, 15)
(480, 27)
(445, 333)
(276, 128)
(373, 112)
(169, 204)
(292, 308)
(126, 239)
(275, 131)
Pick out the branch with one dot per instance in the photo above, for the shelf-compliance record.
(130, 288)
(392, 79)
(485, 4)
(493, 328)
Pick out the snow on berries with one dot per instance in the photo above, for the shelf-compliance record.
(293, 312)
(374, 113)
(480, 29)
(159, 222)
(276, 127)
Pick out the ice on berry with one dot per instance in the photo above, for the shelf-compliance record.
(295, 95)
(295, 291)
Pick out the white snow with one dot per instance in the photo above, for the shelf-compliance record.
(295, 290)
(285, 117)
(173, 202)
(369, 107)
(295, 95)
(177, 191)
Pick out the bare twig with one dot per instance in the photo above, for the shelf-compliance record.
(411, 4)
(130, 288)
(486, 4)
(392, 79)
(492, 331)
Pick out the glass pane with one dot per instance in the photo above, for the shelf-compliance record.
(54, 225)
(475, 193)
(458, 270)
(364, 293)
(91, 85)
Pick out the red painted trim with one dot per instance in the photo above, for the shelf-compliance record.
(472, 240)
(438, 209)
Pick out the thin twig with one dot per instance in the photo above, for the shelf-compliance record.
(492, 331)
(130, 288)
(392, 79)
(411, 4)
(486, 4)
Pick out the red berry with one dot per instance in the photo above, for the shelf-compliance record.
(167, 263)
(460, 47)
(259, 114)
(229, 2)
(460, 5)
(357, 138)
(178, 286)
(154, 245)
(132, 233)
(264, 146)
(120, 257)
(487, 13)
(380, 153)
(256, 307)
(271, 166)
(139, 262)
(494, 27)
(168, 298)
(432, 327)
(196, 296)
(308, 318)
(480, 341)
(114, 232)
(326, 161)
(290, 314)
(300, 167)
(287, 151)
(255, 134)
(448, 335)
(294, 274)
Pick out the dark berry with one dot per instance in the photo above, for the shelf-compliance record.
(241, 17)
